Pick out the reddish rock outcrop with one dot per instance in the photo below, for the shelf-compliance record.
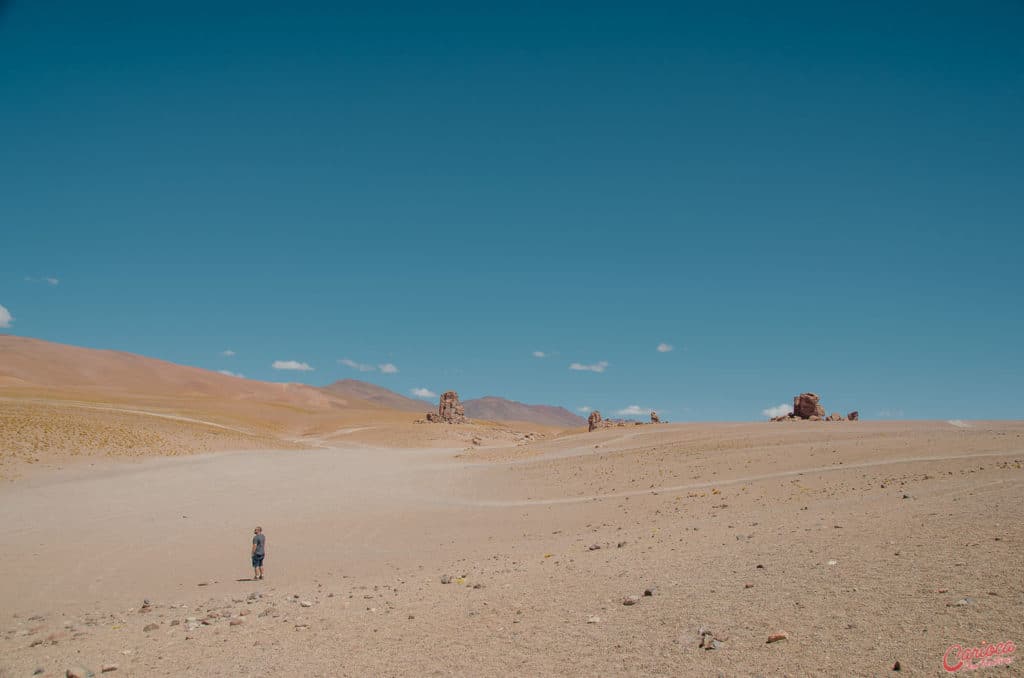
(594, 420)
(449, 410)
(807, 405)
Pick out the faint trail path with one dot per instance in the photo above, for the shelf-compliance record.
(146, 413)
(735, 481)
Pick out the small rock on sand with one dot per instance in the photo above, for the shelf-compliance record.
(150, 627)
(776, 637)
(446, 579)
(631, 600)
(107, 668)
(594, 619)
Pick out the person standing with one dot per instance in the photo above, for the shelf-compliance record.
(259, 552)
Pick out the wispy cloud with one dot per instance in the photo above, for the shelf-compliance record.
(777, 411)
(228, 353)
(232, 374)
(665, 348)
(5, 317)
(540, 354)
(633, 411)
(596, 367)
(584, 408)
(362, 367)
(386, 368)
(292, 365)
(423, 393)
(51, 281)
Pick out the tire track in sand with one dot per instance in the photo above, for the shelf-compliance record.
(732, 481)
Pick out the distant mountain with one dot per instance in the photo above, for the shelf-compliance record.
(361, 390)
(490, 408)
(500, 409)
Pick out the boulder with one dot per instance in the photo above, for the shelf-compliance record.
(853, 416)
(807, 405)
(835, 416)
(594, 420)
(654, 418)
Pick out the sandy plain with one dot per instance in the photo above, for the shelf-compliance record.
(867, 543)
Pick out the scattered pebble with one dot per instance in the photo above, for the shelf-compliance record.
(776, 637)
(150, 627)
(649, 591)
(896, 666)
(594, 619)
(306, 603)
(107, 668)
(631, 600)
(446, 579)
(594, 547)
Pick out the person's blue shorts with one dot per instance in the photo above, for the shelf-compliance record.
(257, 560)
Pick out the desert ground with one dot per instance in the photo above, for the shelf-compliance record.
(867, 543)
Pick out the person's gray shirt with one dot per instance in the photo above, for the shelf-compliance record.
(259, 540)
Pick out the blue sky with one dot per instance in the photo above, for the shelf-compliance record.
(794, 196)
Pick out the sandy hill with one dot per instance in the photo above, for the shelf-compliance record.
(361, 390)
(32, 370)
(500, 409)
(59, 402)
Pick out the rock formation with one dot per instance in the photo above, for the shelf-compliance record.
(654, 417)
(594, 420)
(807, 405)
(449, 410)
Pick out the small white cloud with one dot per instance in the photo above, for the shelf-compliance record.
(5, 317)
(634, 411)
(232, 374)
(596, 367)
(362, 367)
(540, 354)
(777, 411)
(49, 280)
(228, 353)
(665, 348)
(584, 408)
(423, 393)
(388, 368)
(291, 365)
